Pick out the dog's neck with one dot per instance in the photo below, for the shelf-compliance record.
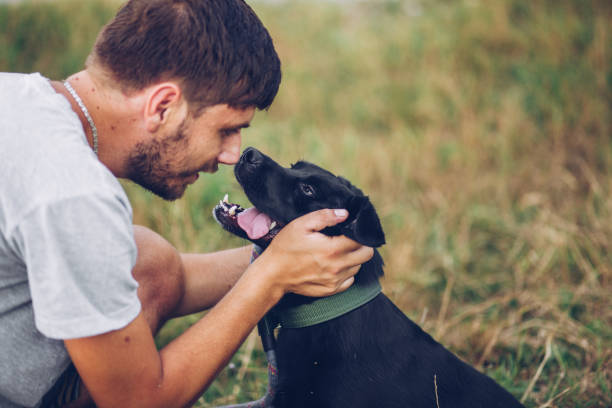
(295, 311)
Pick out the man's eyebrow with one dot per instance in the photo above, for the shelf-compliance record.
(236, 127)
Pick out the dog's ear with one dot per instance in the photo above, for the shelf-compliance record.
(363, 224)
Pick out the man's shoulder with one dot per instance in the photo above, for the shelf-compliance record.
(45, 157)
(29, 100)
(54, 185)
(8, 78)
(14, 84)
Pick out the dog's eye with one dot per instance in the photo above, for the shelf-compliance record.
(307, 189)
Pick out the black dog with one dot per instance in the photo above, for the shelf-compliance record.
(372, 356)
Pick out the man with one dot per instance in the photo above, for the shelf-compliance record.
(163, 97)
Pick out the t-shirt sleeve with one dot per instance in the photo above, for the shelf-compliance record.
(79, 253)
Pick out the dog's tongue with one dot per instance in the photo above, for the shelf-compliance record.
(255, 223)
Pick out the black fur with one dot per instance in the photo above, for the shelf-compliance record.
(374, 356)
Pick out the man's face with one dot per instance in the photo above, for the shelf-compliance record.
(168, 164)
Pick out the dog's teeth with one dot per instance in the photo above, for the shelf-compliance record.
(232, 211)
(273, 224)
(226, 198)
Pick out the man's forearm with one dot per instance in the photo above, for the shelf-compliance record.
(217, 335)
(208, 277)
(123, 367)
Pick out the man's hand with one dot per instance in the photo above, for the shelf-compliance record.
(309, 263)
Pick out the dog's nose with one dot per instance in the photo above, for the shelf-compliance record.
(251, 156)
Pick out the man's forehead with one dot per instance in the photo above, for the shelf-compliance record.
(237, 117)
(227, 116)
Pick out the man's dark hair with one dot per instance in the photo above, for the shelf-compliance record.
(218, 49)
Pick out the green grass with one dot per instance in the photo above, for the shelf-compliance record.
(481, 131)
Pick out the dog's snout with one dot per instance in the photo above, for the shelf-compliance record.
(251, 162)
(252, 156)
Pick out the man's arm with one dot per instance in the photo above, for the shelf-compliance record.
(208, 277)
(123, 368)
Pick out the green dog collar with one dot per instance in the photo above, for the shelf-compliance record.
(320, 310)
(327, 308)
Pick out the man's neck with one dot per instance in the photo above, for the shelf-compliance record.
(61, 88)
(113, 113)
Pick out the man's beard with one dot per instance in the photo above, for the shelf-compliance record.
(149, 165)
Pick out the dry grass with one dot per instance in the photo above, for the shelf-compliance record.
(481, 131)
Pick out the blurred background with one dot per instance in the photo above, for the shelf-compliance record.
(481, 130)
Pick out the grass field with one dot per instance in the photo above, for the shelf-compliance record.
(482, 130)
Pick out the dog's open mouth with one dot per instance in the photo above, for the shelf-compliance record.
(249, 223)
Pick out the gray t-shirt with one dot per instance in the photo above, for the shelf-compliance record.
(66, 240)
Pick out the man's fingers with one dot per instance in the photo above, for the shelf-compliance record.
(329, 262)
(360, 256)
(341, 244)
(318, 220)
(319, 290)
(346, 284)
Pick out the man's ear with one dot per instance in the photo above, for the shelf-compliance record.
(364, 225)
(164, 100)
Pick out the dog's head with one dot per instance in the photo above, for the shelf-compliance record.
(281, 194)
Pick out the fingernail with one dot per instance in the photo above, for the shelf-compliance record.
(341, 213)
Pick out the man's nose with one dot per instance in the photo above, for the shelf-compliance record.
(230, 153)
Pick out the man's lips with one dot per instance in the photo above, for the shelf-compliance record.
(208, 168)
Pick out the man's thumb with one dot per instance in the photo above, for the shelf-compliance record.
(318, 220)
